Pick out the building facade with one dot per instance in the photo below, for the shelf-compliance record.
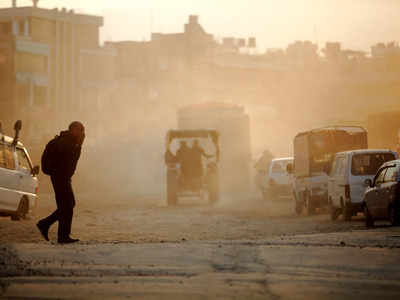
(52, 67)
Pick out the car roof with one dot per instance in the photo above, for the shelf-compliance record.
(347, 128)
(390, 162)
(283, 159)
(365, 151)
(8, 140)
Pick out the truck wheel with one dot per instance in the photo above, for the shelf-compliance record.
(172, 188)
(310, 205)
(369, 221)
(334, 212)
(299, 207)
(347, 211)
(22, 211)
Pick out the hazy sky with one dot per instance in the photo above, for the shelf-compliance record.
(356, 23)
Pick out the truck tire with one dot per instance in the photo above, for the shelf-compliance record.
(334, 212)
(310, 205)
(22, 211)
(172, 188)
(347, 211)
(298, 206)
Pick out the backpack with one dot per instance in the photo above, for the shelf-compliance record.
(48, 156)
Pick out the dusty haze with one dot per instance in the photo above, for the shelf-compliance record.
(123, 152)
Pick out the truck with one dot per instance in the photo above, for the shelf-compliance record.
(233, 125)
(180, 185)
(314, 151)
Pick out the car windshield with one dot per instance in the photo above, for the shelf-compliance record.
(369, 163)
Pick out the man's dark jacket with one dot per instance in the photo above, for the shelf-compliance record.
(66, 156)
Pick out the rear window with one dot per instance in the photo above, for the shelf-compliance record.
(369, 163)
(279, 166)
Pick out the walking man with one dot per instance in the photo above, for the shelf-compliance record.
(59, 160)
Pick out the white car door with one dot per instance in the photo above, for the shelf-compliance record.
(331, 182)
(9, 179)
(28, 183)
(338, 180)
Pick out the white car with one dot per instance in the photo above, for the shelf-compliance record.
(349, 177)
(277, 181)
(18, 179)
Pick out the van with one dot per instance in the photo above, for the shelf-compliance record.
(277, 181)
(349, 177)
(18, 178)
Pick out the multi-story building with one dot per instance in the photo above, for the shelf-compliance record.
(52, 68)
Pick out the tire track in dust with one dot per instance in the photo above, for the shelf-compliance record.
(239, 259)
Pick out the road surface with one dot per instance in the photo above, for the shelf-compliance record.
(141, 248)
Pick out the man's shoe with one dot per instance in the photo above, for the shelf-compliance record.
(44, 230)
(67, 241)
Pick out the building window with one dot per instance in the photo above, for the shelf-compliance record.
(22, 93)
(39, 95)
(21, 26)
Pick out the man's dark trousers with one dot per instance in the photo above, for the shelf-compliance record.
(65, 207)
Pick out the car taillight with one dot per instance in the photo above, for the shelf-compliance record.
(347, 191)
(36, 190)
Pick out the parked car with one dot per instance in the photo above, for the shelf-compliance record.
(350, 170)
(18, 178)
(277, 181)
(382, 197)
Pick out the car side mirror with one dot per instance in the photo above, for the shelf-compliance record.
(368, 183)
(35, 170)
(289, 168)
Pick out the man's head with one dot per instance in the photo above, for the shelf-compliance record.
(77, 129)
(196, 143)
(183, 144)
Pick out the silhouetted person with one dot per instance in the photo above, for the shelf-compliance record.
(197, 154)
(64, 158)
(183, 157)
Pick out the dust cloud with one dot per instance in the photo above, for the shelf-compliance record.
(146, 85)
(126, 159)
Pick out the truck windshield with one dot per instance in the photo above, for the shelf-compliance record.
(368, 163)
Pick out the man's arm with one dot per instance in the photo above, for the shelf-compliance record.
(69, 154)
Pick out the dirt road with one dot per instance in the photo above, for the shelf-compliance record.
(139, 248)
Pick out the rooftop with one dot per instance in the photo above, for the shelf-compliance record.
(8, 14)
